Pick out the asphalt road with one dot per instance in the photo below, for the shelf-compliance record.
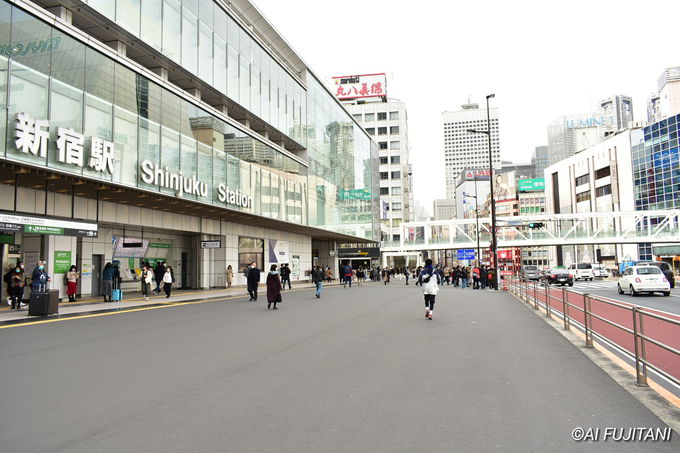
(358, 370)
(607, 288)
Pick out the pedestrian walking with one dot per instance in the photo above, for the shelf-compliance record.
(230, 277)
(430, 280)
(274, 288)
(407, 273)
(168, 280)
(7, 278)
(72, 277)
(347, 276)
(17, 285)
(147, 281)
(361, 276)
(483, 277)
(253, 280)
(386, 276)
(285, 276)
(317, 278)
(159, 273)
(329, 274)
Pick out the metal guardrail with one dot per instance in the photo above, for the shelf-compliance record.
(531, 293)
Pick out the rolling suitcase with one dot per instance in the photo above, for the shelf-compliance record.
(39, 302)
(117, 293)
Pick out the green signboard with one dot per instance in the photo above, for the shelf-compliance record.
(356, 194)
(158, 245)
(153, 262)
(531, 185)
(41, 229)
(6, 238)
(131, 263)
(62, 262)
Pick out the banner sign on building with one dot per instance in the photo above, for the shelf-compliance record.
(279, 251)
(356, 194)
(531, 185)
(45, 225)
(217, 244)
(479, 175)
(360, 86)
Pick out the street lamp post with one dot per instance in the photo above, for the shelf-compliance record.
(494, 245)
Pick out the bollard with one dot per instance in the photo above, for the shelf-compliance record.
(640, 366)
(535, 297)
(565, 309)
(586, 317)
(547, 300)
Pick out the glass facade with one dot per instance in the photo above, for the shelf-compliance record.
(160, 140)
(656, 171)
(201, 37)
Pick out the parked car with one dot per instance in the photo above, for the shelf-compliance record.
(530, 272)
(599, 271)
(645, 278)
(558, 276)
(582, 271)
(665, 268)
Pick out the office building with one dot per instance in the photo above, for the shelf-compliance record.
(180, 130)
(598, 179)
(666, 101)
(463, 149)
(444, 209)
(386, 121)
(539, 160)
(571, 134)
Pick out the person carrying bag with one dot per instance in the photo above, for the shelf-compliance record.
(430, 280)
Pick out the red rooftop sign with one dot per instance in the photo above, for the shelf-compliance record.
(360, 86)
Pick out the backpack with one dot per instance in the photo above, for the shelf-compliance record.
(8, 277)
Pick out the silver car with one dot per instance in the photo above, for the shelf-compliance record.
(530, 272)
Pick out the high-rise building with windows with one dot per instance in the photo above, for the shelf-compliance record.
(540, 160)
(463, 149)
(666, 101)
(189, 128)
(386, 121)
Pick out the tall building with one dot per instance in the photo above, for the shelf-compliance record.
(463, 149)
(386, 122)
(540, 160)
(444, 209)
(666, 101)
(571, 134)
(620, 108)
(188, 128)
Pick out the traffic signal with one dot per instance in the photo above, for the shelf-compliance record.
(535, 225)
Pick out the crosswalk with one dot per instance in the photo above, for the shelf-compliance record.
(595, 285)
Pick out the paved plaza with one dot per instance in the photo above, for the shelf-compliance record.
(359, 370)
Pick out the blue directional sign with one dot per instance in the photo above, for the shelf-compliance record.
(466, 254)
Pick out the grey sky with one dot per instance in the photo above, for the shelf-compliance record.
(541, 59)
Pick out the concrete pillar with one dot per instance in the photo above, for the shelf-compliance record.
(161, 72)
(118, 46)
(65, 15)
(195, 92)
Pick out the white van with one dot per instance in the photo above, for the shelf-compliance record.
(582, 271)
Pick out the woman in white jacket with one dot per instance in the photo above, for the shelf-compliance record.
(147, 280)
(429, 279)
(168, 280)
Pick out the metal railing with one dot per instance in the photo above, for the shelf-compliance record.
(577, 309)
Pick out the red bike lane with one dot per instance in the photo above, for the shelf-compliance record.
(662, 331)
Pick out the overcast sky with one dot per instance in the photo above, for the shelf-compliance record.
(541, 59)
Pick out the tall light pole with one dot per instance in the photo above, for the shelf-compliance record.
(494, 246)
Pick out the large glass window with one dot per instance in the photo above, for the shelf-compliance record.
(250, 250)
(152, 23)
(127, 15)
(189, 39)
(172, 26)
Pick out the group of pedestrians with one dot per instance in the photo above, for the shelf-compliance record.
(475, 277)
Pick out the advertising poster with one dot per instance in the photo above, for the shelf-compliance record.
(62, 261)
(295, 266)
(279, 251)
(121, 251)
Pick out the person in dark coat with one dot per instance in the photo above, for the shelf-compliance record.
(285, 275)
(253, 278)
(273, 287)
(159, 273)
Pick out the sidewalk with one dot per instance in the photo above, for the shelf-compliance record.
(136, 300)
